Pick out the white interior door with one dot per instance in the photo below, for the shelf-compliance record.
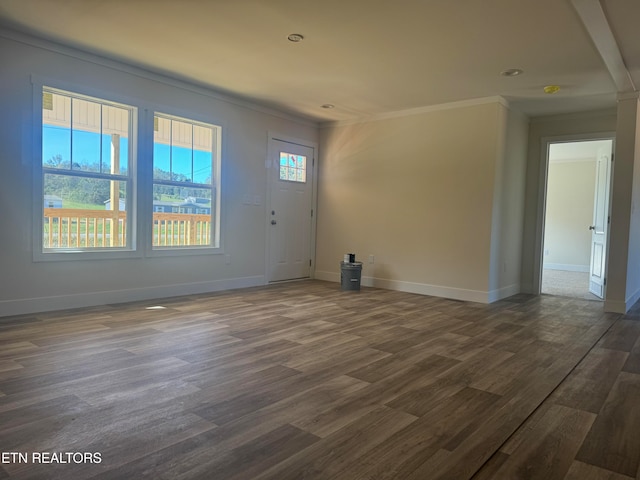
(599, 227)
(289, 213)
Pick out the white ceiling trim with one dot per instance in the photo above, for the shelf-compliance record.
(597, 26)
(420, 110)
(627, 95)
(564, 117)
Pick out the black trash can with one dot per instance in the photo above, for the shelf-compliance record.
(350, 275)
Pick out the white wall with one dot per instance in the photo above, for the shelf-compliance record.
(508, 205)
(28, 286)
(418, 193)
(569, 212)
(633, 264)
(623, 285)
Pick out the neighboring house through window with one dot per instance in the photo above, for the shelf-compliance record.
(186, 156)
(86, 163)
(88, 183)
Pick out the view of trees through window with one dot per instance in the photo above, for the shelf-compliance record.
(87, 185)
(86, 172)
(183, 183)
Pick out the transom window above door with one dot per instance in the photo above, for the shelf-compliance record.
(293, 168)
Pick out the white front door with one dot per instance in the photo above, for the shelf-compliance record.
(289, 213)
(599, 227)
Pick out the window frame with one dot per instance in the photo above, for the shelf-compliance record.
(131, 250)
(219, 129)
(141, 174)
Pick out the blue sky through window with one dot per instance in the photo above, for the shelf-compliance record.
(86, 148)
(165, 155)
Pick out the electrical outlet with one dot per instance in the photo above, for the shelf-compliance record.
(227, 259)
(246, 199)
(372, 259)
(546, 251)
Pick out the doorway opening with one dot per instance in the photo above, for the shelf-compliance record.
(576, 220)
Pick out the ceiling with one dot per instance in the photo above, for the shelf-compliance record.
(366, 57)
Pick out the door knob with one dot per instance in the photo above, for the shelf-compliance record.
(273, 222)
(592, 227)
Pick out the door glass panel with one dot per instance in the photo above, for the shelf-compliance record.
(293, 168)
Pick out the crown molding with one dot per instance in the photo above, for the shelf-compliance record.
(420, 110)
(123, 66)
(627, 96)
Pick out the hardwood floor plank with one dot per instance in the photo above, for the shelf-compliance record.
(493, 465)
(302, 380)
(419, 402)
(248, 460)
(583, 471)
(405, 451)
(588, 387)
(622, 336)
(632, 364)
(613, 442)
(476, 366)
(338, 451)
(153, 434)
(550, 447)
(350, 408)
(498, 425)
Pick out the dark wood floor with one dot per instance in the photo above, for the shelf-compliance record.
(301, 381)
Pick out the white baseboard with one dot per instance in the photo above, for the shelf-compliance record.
(567, 267)
(619, 306)
(327, 276)
(615, 306)
(62, 302)
(504, 292)
(631, 301)
(426, 289)
(527, 288)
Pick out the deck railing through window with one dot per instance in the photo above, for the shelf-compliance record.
(85, 228)
(178, 229)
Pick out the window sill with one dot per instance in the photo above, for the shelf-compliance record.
(182, 251)
(61, 255)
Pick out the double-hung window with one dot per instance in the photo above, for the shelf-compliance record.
(87, 181)
(186, 161)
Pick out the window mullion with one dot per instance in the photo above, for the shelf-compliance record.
(85, 174)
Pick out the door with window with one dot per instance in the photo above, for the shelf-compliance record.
(289, 213)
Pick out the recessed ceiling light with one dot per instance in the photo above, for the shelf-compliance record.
(551, 89)
(512, 72)
(327, 105)
(295, 37)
